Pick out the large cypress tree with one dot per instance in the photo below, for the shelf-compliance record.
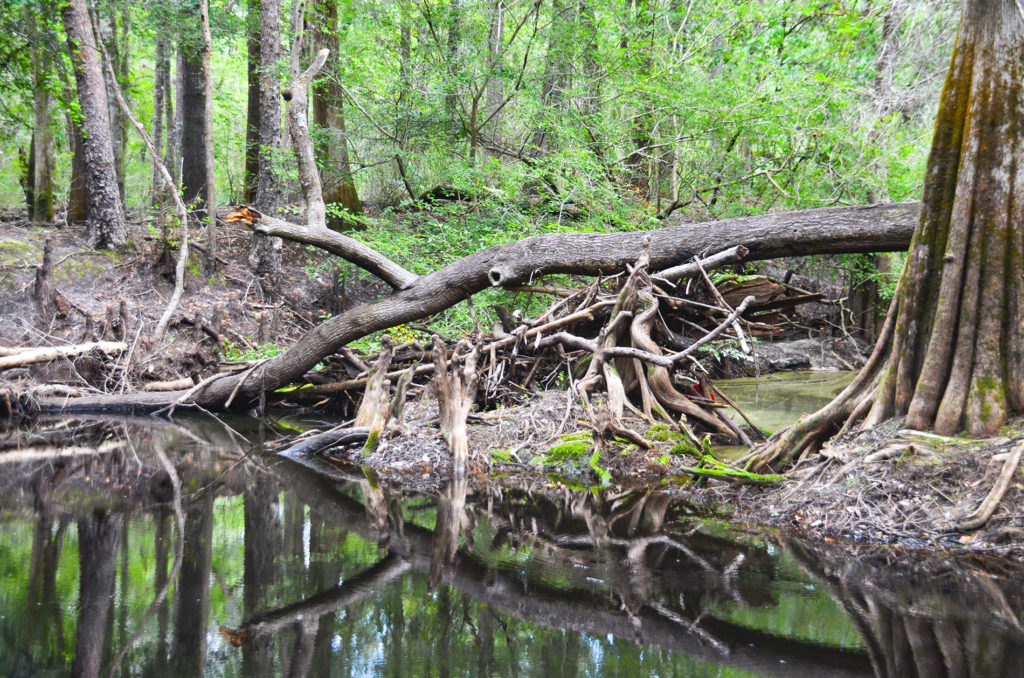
(951, 353)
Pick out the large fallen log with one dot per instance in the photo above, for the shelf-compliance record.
(878, 228)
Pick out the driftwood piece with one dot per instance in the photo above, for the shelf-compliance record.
(47, 353)
(455, 395)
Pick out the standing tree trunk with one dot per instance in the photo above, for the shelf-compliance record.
(264, 251)
(208, 163)
(105, 217)
(43, 163)
(495, 83)
(268, 190)
(175, 117)
(161, 90)
(252, 119)
(193, 132)
(116, 47)
(328, 114)
(951, 354)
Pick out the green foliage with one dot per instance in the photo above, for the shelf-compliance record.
(236, 353)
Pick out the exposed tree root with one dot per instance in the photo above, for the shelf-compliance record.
(988, 506)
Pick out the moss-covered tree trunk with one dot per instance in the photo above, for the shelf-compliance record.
(951, 356)
(958, 358)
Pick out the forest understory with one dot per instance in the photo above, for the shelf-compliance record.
(530, 395)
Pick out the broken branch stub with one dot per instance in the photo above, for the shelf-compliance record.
(455, 391)
(374, 410)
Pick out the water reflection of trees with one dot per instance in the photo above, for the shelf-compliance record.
(930, 618)
(480, 573)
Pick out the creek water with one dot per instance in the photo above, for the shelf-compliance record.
(279, 569)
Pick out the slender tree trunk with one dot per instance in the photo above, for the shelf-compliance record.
(105, 224)
(26, 177)
(451, 99)
(252, 121)
(554, 82)
(208, 161)
(495, 83)
(161, 90)
(78, 199)
(328, 114)
(44, 162)
(176, 117)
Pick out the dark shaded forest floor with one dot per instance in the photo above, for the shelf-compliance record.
(911, 492)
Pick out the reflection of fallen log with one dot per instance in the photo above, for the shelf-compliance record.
(39, 452)
(577, 610)
(352, 590)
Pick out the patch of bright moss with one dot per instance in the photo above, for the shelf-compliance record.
(504, 456)
(684, 447)
(566, 452)
(371, 443)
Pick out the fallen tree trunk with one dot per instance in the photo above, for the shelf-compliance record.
(878, 228)
(47, 353)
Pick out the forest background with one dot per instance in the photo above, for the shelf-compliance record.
(541, 116)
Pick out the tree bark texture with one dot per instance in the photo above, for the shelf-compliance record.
(957, 360)
(328, 114)
(78, 198)
(297, 107)
(820, 231)
(117, 49)
(105, 217)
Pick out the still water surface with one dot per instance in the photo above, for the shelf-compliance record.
(279, 570)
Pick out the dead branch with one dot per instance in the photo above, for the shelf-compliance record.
(296, 106)
(338, 244)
